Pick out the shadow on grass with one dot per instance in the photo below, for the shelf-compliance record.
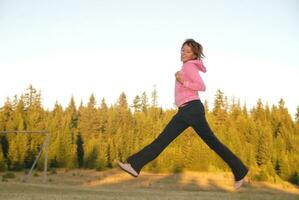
(186, 182)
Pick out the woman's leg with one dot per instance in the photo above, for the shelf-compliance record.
(198, 121)
(151, 151)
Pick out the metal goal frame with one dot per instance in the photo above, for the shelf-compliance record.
(44, 146)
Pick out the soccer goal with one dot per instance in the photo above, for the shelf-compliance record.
(44, 147)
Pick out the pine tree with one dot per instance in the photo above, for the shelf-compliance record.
(136, 104)
(258, 112)
(89, 119)
(13, 153)
(235, 109)
(80, 150)
(34, 120)
(123, 116)
(154, 97)
(3, 165)
(7, 116)
(282, 168)
(219, 110)
(109, 156)
(264, 148)
(72, 118)
(55, 127)
(103, 117)
(144, 102)
(122, 101)
(30, 96)
(244, 110)
(21, 139)
(90, 127)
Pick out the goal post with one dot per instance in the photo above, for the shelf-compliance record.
(45, 146)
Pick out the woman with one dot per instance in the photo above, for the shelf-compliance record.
(191, 112)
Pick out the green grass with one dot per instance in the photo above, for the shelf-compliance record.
(114, 184)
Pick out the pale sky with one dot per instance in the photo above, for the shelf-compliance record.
(70, 47)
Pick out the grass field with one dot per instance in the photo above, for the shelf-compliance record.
(115, 184)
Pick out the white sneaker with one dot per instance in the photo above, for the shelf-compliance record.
(239, 183)
(128, 168)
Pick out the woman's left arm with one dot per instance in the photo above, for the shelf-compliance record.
(193, 80)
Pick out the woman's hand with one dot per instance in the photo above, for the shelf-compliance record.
(178, 77)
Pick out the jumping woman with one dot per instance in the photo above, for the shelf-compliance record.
(191, 112)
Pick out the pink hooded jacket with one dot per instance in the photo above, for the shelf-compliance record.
(192, 82)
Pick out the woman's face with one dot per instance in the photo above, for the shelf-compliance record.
(187, 54)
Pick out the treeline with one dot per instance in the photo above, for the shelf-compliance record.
(91, 136)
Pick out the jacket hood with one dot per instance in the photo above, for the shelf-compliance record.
(199, 64)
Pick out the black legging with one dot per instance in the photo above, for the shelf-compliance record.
(192, 114)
